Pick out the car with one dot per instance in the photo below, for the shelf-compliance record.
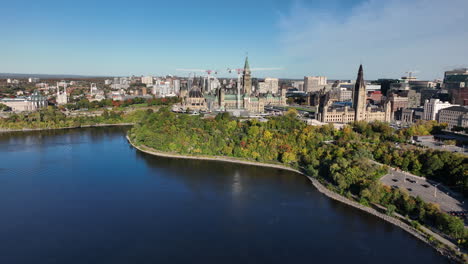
(409, 189)
(395, 180)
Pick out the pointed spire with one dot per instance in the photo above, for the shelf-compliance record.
(360, 84)
(360, 77)
(359, 97)
(246, 65)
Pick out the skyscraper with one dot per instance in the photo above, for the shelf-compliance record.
(359, 96)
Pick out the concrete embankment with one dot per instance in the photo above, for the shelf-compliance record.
(6, 130)
(318, 186)
(215, 158)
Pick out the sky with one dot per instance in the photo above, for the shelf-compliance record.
(308, 37)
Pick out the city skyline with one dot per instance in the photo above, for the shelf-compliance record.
(304, 38)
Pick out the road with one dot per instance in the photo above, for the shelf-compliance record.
(438, 146)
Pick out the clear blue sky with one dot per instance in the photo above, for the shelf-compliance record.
(304, 37)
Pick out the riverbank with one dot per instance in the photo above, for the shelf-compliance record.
(5, 130)
(321, 188)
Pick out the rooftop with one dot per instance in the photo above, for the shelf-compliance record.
(456, 108)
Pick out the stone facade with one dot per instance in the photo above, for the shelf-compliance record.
(241, 100)
(454, 116)
(194, 100)
(247, 79)
(26, 104)
(359, 112)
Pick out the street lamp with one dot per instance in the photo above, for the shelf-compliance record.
(435, 190)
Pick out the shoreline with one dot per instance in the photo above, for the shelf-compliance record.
(320, 187)
(5, 130)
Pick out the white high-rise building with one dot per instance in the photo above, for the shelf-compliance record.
(214, 83)
(148, 80)
(314, 83)
(262, 87)
(432, 108)
(269, 85)
(272, 85)
(163, 88)
(120, 83)
(176, 84)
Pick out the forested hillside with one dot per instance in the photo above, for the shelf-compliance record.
(341, 158)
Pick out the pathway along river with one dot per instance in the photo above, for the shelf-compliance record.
(86, 196)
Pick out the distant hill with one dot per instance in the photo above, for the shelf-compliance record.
(48, 76)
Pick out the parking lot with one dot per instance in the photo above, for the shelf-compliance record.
(428, 191)
(440, 146)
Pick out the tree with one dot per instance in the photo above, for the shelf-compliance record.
(391, 209)
(291, 113)
(4, 107)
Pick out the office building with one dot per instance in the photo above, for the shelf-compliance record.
(456, 82)
(269, 85)
(148, 80)
(454, 116)
(314, 83)
(432, 108)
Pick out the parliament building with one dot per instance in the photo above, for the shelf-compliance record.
(239, 101)
(360, 110)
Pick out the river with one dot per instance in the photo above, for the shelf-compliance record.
(86, 196)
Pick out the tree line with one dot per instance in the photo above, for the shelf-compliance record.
(341, 159)
(50, 118)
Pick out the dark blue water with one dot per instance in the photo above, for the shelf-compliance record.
(86, 196)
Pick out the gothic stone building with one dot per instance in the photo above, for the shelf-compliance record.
(359, 111)
(241, 100)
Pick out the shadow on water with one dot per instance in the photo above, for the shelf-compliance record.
(194, 173)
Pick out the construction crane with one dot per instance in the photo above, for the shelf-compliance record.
(410, 74)
(240, 71)
(201, 70)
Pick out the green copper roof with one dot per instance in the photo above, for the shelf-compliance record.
(230, 97)
(246, 66)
